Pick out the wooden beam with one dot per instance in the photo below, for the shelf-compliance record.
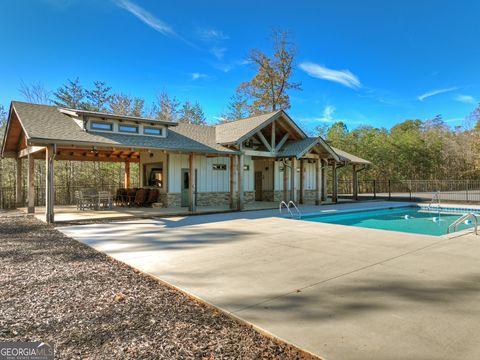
(281, 142)
(324, 166)
(49, 184)
(31, 184)
(334, 183)
(126, 178)
(285, 182)
(259, 153)
(272, 138)
(191, 183)
(232, 181)
(293, 180)
(240, 173)
(264, 141)
(302, 182)
(30, 150)
(318, 182)
(18, 184)
(355, 182)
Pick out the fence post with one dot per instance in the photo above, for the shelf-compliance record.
(389, 190)
(466, 190)
(374, 189)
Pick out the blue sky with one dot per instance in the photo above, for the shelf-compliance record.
(362, 62)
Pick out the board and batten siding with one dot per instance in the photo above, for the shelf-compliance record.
(310, 177)
(208, 179)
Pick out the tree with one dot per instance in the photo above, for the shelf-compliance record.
(123, 104)
(267, 91)
(70, 95)
(35, 93)
(99, 96)
(237, 108)
(166, 108)
(192, 114)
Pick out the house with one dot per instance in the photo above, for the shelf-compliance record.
(260, 158)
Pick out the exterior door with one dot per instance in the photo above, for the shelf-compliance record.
(185, 186)
(258, 186)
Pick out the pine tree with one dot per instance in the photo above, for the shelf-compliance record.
(166, 108)
(70, 95)
(267, 91)
(99, 96)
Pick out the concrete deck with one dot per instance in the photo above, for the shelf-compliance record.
(70, 213)
(340, 292)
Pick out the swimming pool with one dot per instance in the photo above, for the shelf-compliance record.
(412, 219)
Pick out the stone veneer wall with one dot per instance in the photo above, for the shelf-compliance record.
(213, 198)
(248, 197)
(272, 195)
(309, 196)
(171, 199)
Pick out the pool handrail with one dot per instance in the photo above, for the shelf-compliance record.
(299, 214)
(462, 219)
(282, 204)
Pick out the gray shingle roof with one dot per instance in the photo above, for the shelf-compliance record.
(231, 132)
(47, 123)
(344, 156)
(300, 147)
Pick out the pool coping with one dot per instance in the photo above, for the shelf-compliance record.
(454, 207)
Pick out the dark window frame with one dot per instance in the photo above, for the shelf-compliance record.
(146, 128)
(101, 125)
(129, 126)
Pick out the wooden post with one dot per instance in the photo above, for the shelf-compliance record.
(293, 180)
(18, 184)
(324, 165)
(273, 140)
(191, 183)
(31, 184)
(285, 182)
(302, 181)
(355, 182)
(126, 180)
(334, 183)
(318, 181)
(241, 162)
(232, 182)
(49, 184)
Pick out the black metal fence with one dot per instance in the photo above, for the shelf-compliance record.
(415, 190)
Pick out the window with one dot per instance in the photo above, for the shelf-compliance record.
(128, 129)
(96, 125)
(219, 167)
(152, 131)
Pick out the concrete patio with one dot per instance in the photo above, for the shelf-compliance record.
(340, 292)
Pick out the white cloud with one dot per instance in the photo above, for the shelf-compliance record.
(146, 17)
(327, 116)
(218, 52)
(211, 34)
(467, 99)
(436, 92)
(344, 77)
(196, 76)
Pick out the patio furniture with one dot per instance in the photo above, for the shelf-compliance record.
(130, 197)
(120, 198)
(140, 197)
(104, 200)
(81, 201)
(152, 197)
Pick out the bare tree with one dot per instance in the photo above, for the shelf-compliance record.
(35, 93)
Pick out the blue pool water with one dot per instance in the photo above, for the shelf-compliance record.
(406, 219)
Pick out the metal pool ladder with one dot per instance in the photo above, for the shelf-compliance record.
(462, 219)
(435, 198)
(297, 214)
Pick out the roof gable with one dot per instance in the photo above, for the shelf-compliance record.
(235, 132)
